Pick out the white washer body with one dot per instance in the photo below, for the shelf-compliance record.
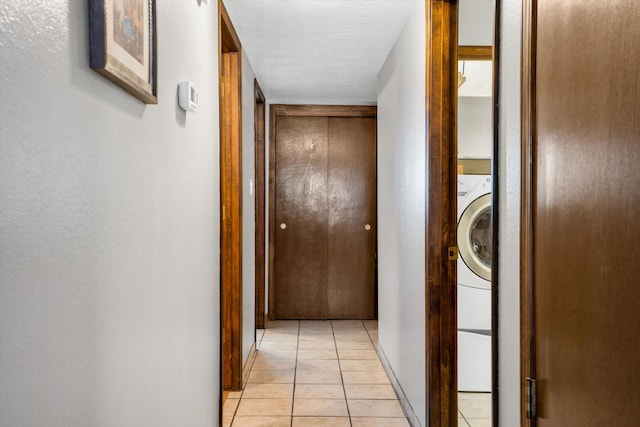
(474, 290)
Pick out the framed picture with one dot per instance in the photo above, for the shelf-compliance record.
(122, 45)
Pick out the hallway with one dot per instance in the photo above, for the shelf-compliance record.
(326, 373)
(316, 373)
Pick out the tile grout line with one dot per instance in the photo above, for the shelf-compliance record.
(298, 335)
(258, 343)
(253, 362)
(462, 415)
(233, 419)
(465, 420)
(295, 375)
(344, 391)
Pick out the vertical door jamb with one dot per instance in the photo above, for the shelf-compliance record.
(259, 123)
(495, 218)
(272, 211)
(230, 74)
(529, 119)
(441, 272)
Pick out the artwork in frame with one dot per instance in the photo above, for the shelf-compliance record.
(122, 45)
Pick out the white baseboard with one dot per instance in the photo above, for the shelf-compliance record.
(246, 368)
(404, 401)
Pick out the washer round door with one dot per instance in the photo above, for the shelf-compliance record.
(475, 236)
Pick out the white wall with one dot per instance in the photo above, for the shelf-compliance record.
(248, 210)
(401, 210)
(473, 19)
(109, 236)
(509, 161)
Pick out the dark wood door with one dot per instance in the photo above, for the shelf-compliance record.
(301, 218)
(585, 200)
(324, 217)
(352, 212)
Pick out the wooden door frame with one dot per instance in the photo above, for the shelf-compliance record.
(475, 53)
(260, 141)
(441, 271)
(283, 110)
(230, 86)
(442, 54)
(495, 219)
(528, 132)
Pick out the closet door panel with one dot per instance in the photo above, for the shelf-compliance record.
(351, 217)
(301, 218)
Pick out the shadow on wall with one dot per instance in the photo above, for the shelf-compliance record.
(81, 74)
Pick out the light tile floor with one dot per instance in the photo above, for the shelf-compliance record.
(316, 373)
(474, 409)
(326, 373)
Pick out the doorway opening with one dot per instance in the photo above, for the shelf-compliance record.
(476, 215)
(441, 221)
(475, 233)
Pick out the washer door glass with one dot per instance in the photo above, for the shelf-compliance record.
(475, 236)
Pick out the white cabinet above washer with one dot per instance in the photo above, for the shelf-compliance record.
(478, 78)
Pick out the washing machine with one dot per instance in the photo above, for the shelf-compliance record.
(474, 283)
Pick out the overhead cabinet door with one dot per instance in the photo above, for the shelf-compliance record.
(324, 217)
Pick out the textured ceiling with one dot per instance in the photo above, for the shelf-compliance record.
(318, 51)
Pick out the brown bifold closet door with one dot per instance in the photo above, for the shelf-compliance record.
(301, 218)
(325, 204)
(352, 214)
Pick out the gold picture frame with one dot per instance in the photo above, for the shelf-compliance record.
(123, 45)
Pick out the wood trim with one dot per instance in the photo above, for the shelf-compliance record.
(230, 75)
(281, 110)
(229, 41)
(259, 123)
(272, 210)
(324, 110)
(475, 53)
(528, 87)
(441, 273)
